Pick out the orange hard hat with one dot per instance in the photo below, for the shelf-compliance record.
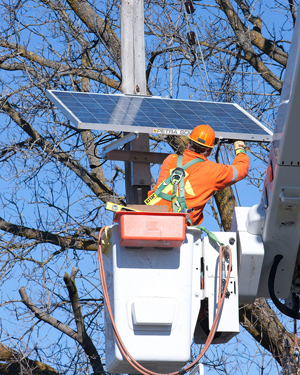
(203, 135)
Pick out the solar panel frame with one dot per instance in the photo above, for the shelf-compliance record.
(155, 115)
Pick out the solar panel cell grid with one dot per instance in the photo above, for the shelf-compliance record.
(156, 115)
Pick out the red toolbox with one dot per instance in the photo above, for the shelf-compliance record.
(151, 229)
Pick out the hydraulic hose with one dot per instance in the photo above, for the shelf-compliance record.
(281, 306)
(136, 365)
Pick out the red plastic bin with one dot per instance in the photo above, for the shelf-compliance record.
(151, 229)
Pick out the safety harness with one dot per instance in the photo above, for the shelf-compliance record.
(176, 180)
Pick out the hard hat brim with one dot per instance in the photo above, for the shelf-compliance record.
(202, 144)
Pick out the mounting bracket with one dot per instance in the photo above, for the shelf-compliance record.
(118, 143)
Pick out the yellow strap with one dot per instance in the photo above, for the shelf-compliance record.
(152, 199)
(105, 240)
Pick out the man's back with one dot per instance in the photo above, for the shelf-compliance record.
(201, 179)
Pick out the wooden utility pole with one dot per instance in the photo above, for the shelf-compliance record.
(137, 175)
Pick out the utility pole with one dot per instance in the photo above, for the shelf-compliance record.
(137, 175)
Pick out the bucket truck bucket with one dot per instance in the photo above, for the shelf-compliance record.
(156, 282)
(154, 290)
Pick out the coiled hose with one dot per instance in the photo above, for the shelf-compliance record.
(136, 365)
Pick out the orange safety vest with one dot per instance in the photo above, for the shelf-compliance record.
(200, 180)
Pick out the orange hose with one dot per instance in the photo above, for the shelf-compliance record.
(220, 304)
(119, 341)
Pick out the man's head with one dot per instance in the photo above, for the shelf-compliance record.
(202, 140)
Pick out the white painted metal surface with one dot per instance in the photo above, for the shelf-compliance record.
(250, 250)
(155, 296)
(228, 325)
(281, 232)
(255, 219)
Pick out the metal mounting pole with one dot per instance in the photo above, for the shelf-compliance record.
(137, 175)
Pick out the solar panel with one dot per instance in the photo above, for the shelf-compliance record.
(142, 114)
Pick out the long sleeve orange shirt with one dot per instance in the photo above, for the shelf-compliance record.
(201, 179)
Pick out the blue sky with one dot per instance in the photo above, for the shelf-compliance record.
(248, 194)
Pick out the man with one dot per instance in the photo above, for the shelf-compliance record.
(188, 181)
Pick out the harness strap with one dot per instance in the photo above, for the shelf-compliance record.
(178, 200)
(211, 235)
(161, 187)
(181, 191)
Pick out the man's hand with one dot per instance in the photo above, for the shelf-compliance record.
(239, 146)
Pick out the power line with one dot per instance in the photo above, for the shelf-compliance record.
(194, 39)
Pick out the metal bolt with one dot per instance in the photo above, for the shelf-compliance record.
(231, 241)
(137, 87)
(196, 294)
(142, 182)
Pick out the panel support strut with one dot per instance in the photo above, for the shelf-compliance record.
(118, 143)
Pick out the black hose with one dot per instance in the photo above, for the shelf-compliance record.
(281, 306)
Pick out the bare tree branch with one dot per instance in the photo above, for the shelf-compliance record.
(98, 26)
(62, 69)
(260, 320)
(293, 10)
(17, 363)
(245, 42)
(46, 317)
(99, 188)
(63, 242)
(83, 337)
(258, 39)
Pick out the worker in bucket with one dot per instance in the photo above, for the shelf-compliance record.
(186, 182)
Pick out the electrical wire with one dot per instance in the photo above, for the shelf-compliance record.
(201, 54)
(136, 365)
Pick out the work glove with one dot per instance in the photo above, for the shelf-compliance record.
(239, 147)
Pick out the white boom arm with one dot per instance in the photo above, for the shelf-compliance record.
(276, 221)
(281, 194)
